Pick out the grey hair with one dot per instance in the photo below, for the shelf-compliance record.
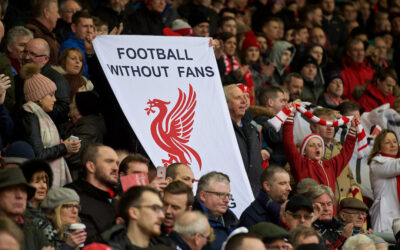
(318, 190)
(227, 90)
(62, 4)
(206, 180)
(357, 241)
(191, 222)
(18, 31)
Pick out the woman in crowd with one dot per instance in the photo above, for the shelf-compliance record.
(61, 207)
(70, 61)
(384, 166)
(38, 128)
(39, 175)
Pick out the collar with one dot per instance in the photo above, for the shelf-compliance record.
(391, 156)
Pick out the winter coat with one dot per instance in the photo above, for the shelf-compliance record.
(331, 232)
(62, 30)
(324, 171)
(249, 141)
(89, 85)
(334, 30)
(89, 129)
(312, 90)
(73, 42)
(98, 209)
(145, 22)
(345, 180)
(355, 74)
(277, 51)
(6, 126)
(262, 209)
(386, 206)
(221, 231)
(40, 31)
(110, 16)
(373, 98)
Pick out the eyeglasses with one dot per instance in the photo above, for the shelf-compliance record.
(362, 213)
(283, 247)
(220, 195)
(156, 208)
(327, 204)
(299, 216)
(31, 54)
(70, 207)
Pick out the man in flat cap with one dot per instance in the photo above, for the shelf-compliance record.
(353, 211)
(273, 236)
(14, 193)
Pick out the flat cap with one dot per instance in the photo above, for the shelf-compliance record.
(353, 203)
(269, 231)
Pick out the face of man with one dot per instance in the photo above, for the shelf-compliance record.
(303, 35)
(326, 132)
(381, 48)
(356, 52)
(277, 104)
(158, 5)
(357, 217)
(317, 17)
(300, 217)
(318, 36)
(350, 13)
(36, 53)
(229, 26)
(309, 71)
(175, 205)
(237, 103)
(13, 200)
(263, 44)
(69, 9)
(295, 88)
(106, 166)
(279, 189)
(52, 16)
(328, 6)
(216, 197)
(15, 49)
(84, 28)
(137, 167)
(149, 214)
(335, 88)
(271, 30)
(202, 29)
(386, 86)
(185, 175)
(327, 206)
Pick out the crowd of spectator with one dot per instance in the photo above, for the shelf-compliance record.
(67, 148)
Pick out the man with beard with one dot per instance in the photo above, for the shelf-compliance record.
(332, 24)
(294, 83)
(345, 182)
(96, 190)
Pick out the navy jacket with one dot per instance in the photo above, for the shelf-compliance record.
(262, 209)
(222, 227)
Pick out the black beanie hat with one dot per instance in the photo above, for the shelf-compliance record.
(29, 168)
(87, 103)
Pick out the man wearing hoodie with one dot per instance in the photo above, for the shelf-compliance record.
(281, 56)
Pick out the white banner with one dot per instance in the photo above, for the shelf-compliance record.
(170, 91)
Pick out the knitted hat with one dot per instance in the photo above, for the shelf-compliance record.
(307, 139)
(29, 168)
(87, 103)
(396, 228)
(308, 60)
(181, 27)
(18, 152)
(244, 88)
(36, 85)
(250, 40)
(329, 77)
(198, 17)
(58, 196)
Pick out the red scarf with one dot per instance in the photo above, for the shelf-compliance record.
(397, 177)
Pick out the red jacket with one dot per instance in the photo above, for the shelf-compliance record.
(324, 172)
(373, 98)
(355, 74)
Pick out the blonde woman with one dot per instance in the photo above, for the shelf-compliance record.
(61, 207)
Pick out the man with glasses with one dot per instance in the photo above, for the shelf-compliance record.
(353, 211)
(142, 209)
(212, 198)
(298, 211)
(191, 231)
(333, 231)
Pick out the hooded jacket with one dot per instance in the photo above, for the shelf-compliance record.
(278, 49)
(373, 98)
(355, 74)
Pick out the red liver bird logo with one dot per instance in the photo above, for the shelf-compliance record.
(171, 130)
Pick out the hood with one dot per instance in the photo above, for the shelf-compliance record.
(257, 111)
(277, 51)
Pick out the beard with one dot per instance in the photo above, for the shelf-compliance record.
(106, 178)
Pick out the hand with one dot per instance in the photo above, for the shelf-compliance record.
(159, 183)
(348, 230)
(5, 83)
(317, 211)
(218, 47)
(76, 238)
(265, 154)
(268, 69)
(355, 121)
(282, 212)
(369, 231)
(337, 114)
(117, 30)
(89, 50)
(242, 70)
(72, 147)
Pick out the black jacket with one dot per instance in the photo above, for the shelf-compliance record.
(262, 209)
(249, 142)
(145, 22)
(331, 232)
(98, 209)
(178, 242)
(31, 134)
